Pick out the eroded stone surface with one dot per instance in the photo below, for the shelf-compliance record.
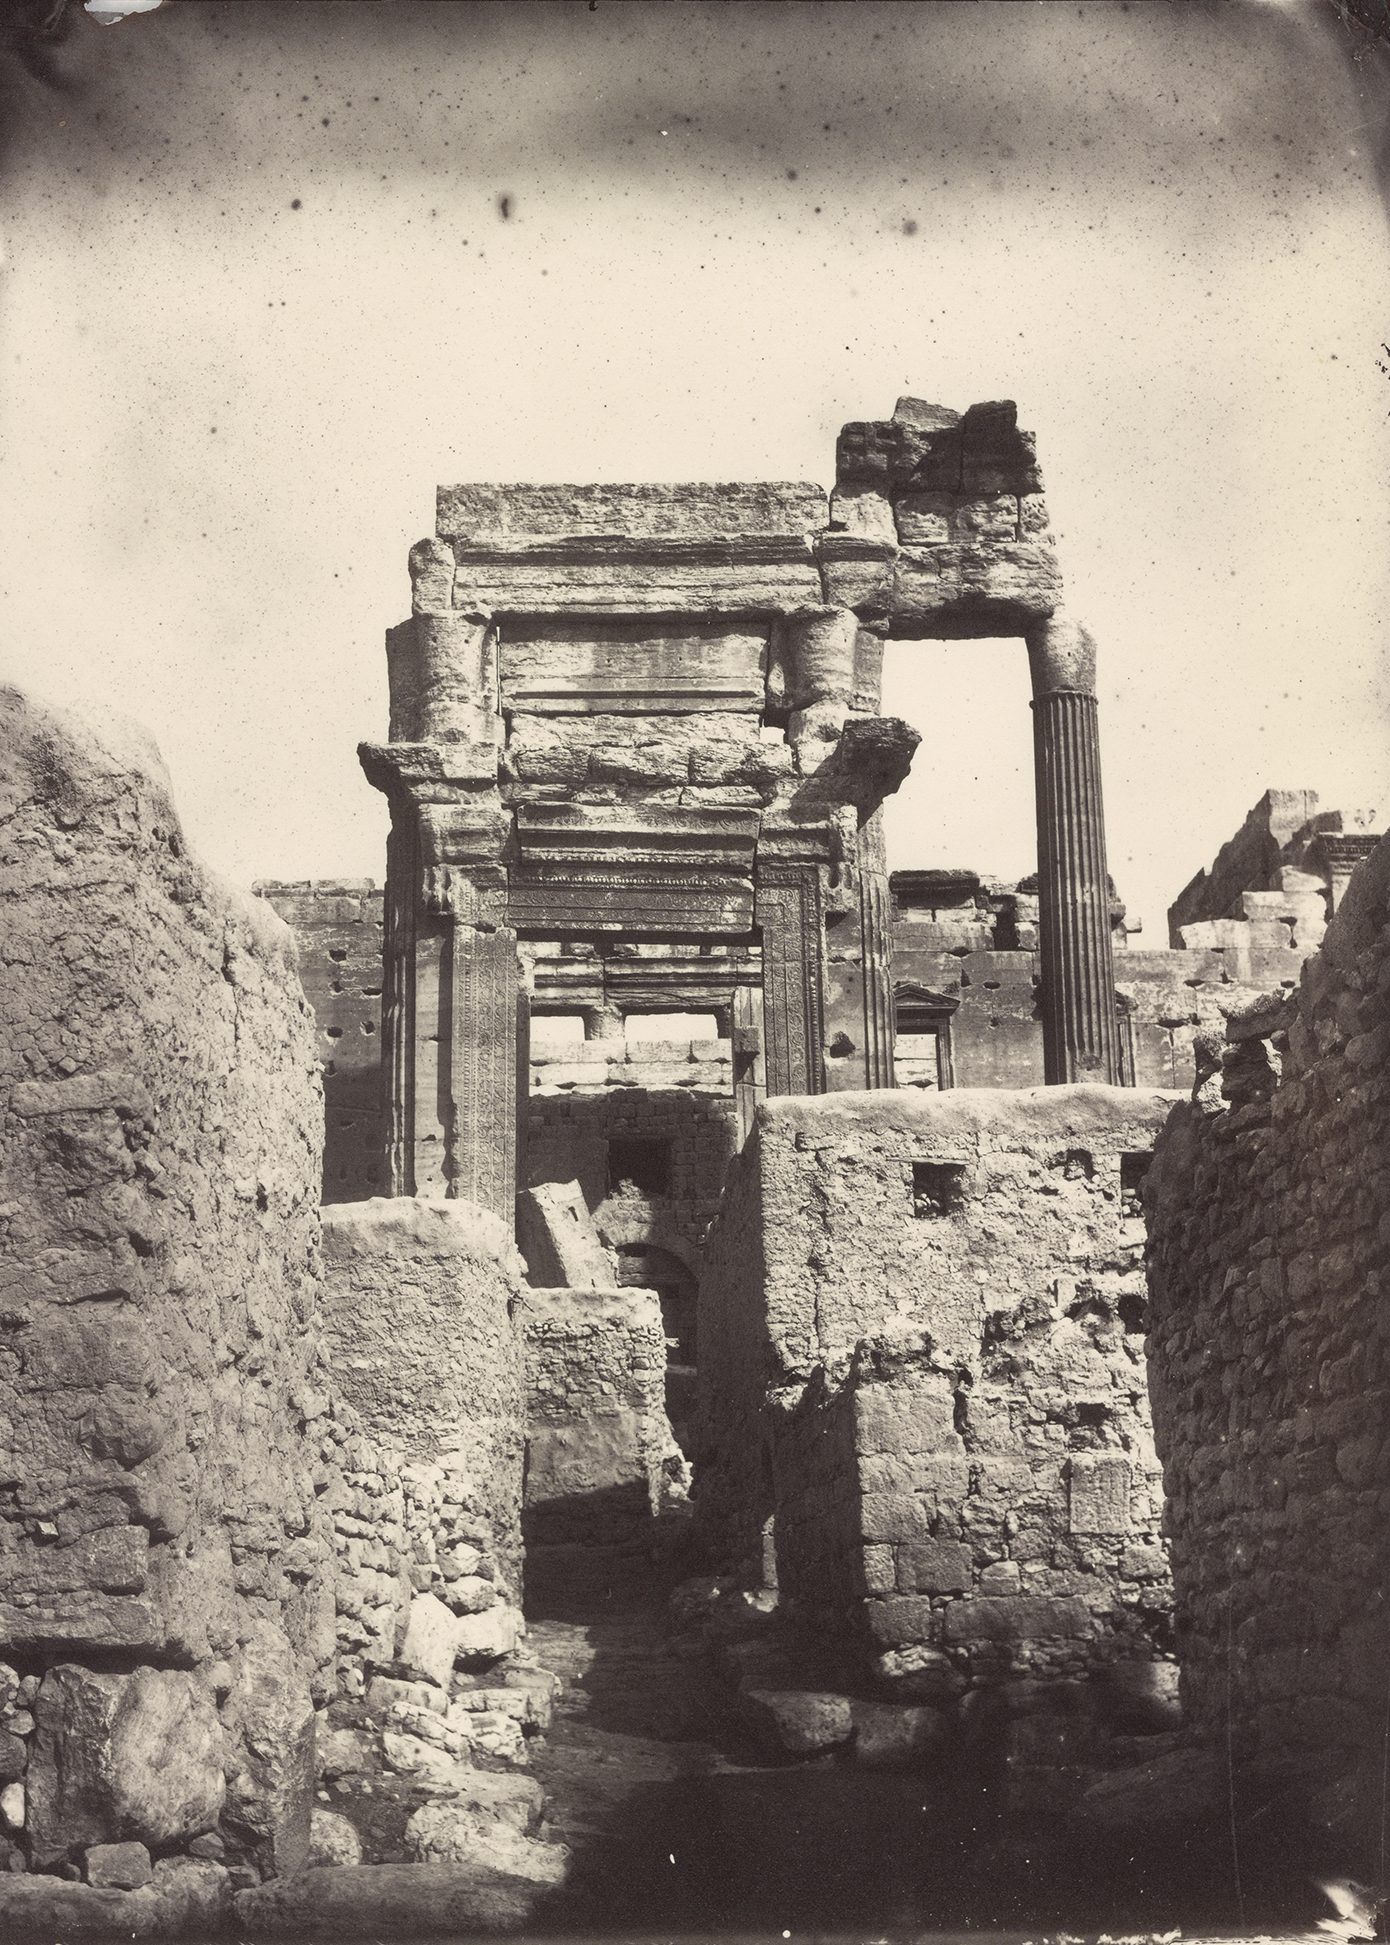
(1268, 1361)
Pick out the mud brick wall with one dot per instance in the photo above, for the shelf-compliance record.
(922, 1355)
(1270, 1357)
(423, 1338)
(598, 1444)
(159, 1351)
(338, 923)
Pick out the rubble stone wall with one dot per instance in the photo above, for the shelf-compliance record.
(1270, 1357)
(164, 1601)
(423, 1337)
(922, 1355)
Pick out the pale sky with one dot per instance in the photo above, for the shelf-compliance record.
(259, 296)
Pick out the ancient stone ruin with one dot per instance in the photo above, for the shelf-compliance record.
(677, 1379)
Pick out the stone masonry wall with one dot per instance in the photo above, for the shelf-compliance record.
(922, 1354)
(1270, 1358)
(164, 1605)
(338, 924)
(423, 1338)
(599, 1449)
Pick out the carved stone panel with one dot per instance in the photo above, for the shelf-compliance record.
(789, 915)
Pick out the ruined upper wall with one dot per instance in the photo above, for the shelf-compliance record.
(1277, 881)
(1269, 1366)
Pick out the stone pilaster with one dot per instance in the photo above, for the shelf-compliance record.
(1078, 977)
(787, 906)
(876, 948)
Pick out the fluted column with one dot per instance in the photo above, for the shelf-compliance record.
(1078, 975)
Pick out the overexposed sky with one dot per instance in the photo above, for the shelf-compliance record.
(270, 273)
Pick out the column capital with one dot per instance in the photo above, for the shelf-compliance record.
(1061, 656)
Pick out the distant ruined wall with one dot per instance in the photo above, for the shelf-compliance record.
(922, 1355)
(1270, 1355)
(338, 924)
(160, 1376)
(597, 1438)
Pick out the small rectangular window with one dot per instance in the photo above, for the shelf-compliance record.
(938, 1188)
(1133, 1169)
(637, 1162)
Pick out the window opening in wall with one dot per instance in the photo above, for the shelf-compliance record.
(938, 1188)
(556, 1029)
(1133, 1169)
(922, 1052)
(670, 1026)
(639, 1162)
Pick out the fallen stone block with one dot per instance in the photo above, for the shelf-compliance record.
(797, 1722)
(503, 1797)
(271, 1713)
(333, 1839)
(379, 1900)
(122, 1756)
(431, 1640)
(919, 1674)
(454, 1833)
(487, 1636)
(559, 1241)
(117, 1867)
(897, 1735)
(187, 1898)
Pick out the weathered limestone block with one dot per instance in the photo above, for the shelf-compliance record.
(271, 1789)
(117, 1867)
(559, 1239)
(187, 1897)
(430, 1642)
(122, 1757)
(378, 1900)
(456, 1833)
(797, 1722)
(541, 550)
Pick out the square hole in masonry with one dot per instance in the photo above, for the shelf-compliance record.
(1133, 1169)
(640, 1162)
(938, 1188)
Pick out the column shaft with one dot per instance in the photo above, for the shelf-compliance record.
(1078, 977)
